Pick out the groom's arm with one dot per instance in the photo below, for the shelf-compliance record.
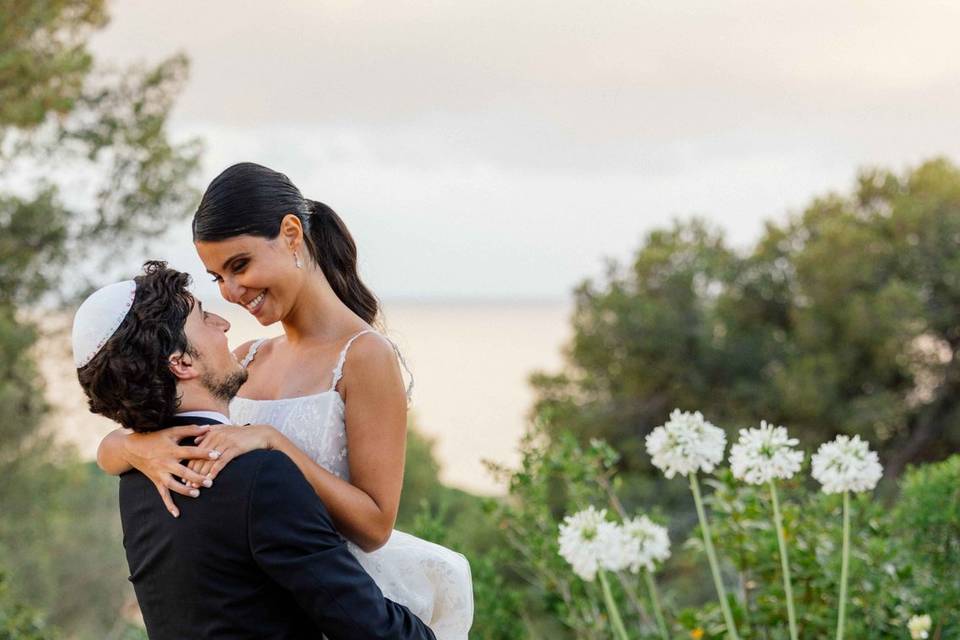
(294, 541)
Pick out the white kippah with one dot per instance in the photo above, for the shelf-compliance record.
(99, 317)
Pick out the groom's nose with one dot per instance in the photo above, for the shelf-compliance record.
(222, 322)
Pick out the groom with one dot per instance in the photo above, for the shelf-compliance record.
(257, 556)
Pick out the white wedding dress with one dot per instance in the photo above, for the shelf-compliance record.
(432, 581)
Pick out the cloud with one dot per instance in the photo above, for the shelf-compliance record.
(632, 67)
(503, 148)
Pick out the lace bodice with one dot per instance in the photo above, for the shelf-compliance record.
(432, 581)
(313, 423)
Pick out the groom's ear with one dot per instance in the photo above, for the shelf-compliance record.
(181, 365)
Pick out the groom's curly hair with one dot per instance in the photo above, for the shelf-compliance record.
(129, 380)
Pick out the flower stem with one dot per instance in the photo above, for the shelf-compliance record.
(655, 599)
(615, 619)
(712, 558)
(844, 565)
(632, 596)
(784, 561)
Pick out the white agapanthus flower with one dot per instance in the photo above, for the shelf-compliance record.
(589, 542)
(919, 627)
(648, 543)
(617, 548)
(685, 444)
(764, 454)
(846, 464)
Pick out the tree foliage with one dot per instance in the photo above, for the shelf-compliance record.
(87, 171)
(461, 521)
(842, 319)
(19, 622)
(45, 61)
(63, 120)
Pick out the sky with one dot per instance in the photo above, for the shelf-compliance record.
(504, 148)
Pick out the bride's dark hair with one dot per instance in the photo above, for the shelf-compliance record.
(250, 199)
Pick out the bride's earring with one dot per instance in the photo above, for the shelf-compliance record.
(296, 258)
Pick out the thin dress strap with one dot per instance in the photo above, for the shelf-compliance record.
(338, 370)
(247, 359)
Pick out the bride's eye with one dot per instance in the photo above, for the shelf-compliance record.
(239, 265)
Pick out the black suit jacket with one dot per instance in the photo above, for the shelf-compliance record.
(255, 556)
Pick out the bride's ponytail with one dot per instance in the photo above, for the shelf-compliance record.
(332, 246)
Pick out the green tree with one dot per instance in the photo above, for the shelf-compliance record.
(421, 473)
(63, 119)
(927, 517)
(462, 522)
(840, 320)
(19, 622)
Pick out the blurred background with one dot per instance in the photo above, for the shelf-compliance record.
(577, 217)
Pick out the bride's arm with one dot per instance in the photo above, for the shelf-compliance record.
(365, 508)
(122, 449)
(158, 456)
(110, 453)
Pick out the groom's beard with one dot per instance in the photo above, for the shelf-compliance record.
(224, 388)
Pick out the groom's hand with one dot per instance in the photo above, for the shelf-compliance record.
(158, 456)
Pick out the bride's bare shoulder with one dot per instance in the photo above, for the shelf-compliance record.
(371, 354)
(370, 345)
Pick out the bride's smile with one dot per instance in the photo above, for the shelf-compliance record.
(258, 274)
(254, 305)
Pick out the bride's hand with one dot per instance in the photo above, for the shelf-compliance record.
(230, 441)
(157, 455)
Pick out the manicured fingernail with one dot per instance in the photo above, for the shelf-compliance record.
(208, 483)
(175, 514)
(194, 493)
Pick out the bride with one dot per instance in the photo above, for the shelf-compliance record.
(329, 392)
